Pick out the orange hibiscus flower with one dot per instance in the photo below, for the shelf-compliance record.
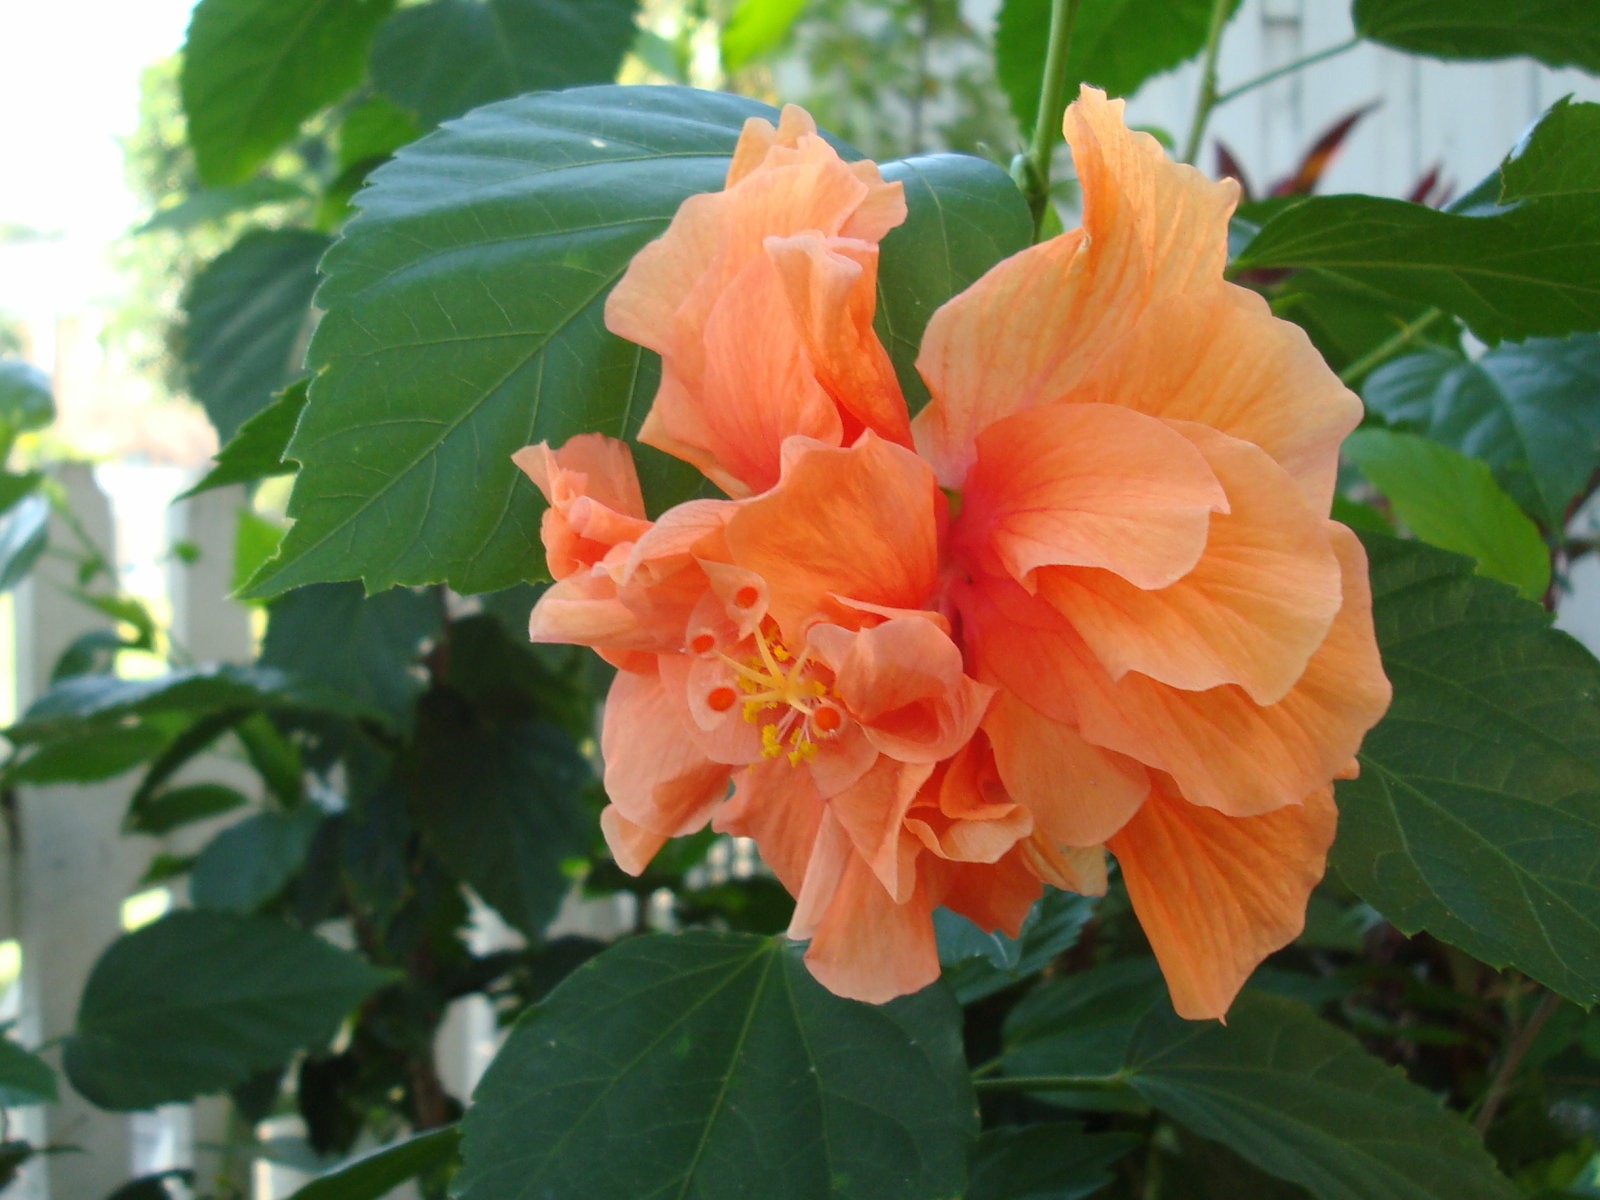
(1138, 632)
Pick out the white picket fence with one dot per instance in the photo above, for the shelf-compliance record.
(67, 876)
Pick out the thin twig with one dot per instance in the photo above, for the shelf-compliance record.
(1034, 166)
(1515, 1053)
(1382, 353)
(1288, 68)
(1206, 97)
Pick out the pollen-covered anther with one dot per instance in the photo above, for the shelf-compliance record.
(778, 691)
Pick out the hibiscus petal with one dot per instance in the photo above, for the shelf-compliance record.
(867, 947)
(1252, 611)
(593, 493)
(633, 846)
(1030, 330)
(777, 807)
(1079, 794)
(872, 811)
(831, 286)
(655, 775)
(1219, 357)
(994, 896)
(861, 523)
(1217, 894)
(1229, 753)
(1087, 485)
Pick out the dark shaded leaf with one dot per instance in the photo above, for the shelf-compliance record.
(365, 647)
(1558, 33)
(978, 964)
(253, 70)
(201, 1001)
(445, 57)
(1053, 1161)
(1563, 160)
(24, 1078)
(94, 755)
(1081, 1024)
(713, 1065)
(246, 317)
(1478, 806)
(251, 861)
(377, 1174)
(24, 533)
(1303, 1101)
(162, 812)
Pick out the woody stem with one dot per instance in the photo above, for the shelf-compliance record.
(1206, 99)
(1032, 169)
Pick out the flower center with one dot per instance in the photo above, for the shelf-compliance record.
(779, 691)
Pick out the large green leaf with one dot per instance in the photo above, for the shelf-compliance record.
(438, 358)
(24, 1078)
(978, 964)
(1529, 410)
(1053, 1161)
(363, 646)
(1557, 32)
(24, 533)
(963, 215)
(247, 315)
(1477, 811)
(1452, 502)
(1303, 1101)
(445, 57)
(379, 1173)
(712, 1065)
(1564, 159)
(1081, 1023)
(1116, 45)
(200, 1001)
(94, 754)
(502, 807)
(253, 70)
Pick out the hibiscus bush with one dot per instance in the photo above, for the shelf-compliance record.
(1054, 738)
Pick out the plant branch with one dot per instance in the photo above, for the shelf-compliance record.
(1382, 353)
(1288, 68)
(1031, 170)
(1206, 98)
(1515, 1053)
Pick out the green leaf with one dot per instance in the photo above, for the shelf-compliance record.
(25, 402)
(755, 29)
(154, 1187)
(1346, 320)
(375, 1175)
(1478, 805)
(1303, 1101)
(255, 540)
(200, 1001)
(1563, 160)
(365, 647)
(214, 204)
(256, 450)
(100, 754)
(1526, 409)
(964, 215)
(1452, 502)
(253, 70)
(437, 361)
(24, 533)
(14, 487)
(1082, 1023)
(1558, 33)
(162, 812)
(251, 861)
(247, 315)
(978, 964)
(1116, 45)
(1514, 271)
(502, 807)
(713, 1065)
(372, 130)
(103, 700)
(24, 1078)
(445, 57)
(1052, 1161)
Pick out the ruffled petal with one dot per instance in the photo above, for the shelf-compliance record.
(861, 523)
(778, 807)
(1217, 894)
(593, 493)
(1087, 485)
(1030, 331)
(1253, 610)
(633, 846)
(655, 775)
(1079, 794)
(867, 947)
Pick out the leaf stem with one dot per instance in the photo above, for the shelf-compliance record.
(1049, 1083)
(1288, 68)
(1382, 353)
(1515, 1053)
(1206, 98)
(1031, 170)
